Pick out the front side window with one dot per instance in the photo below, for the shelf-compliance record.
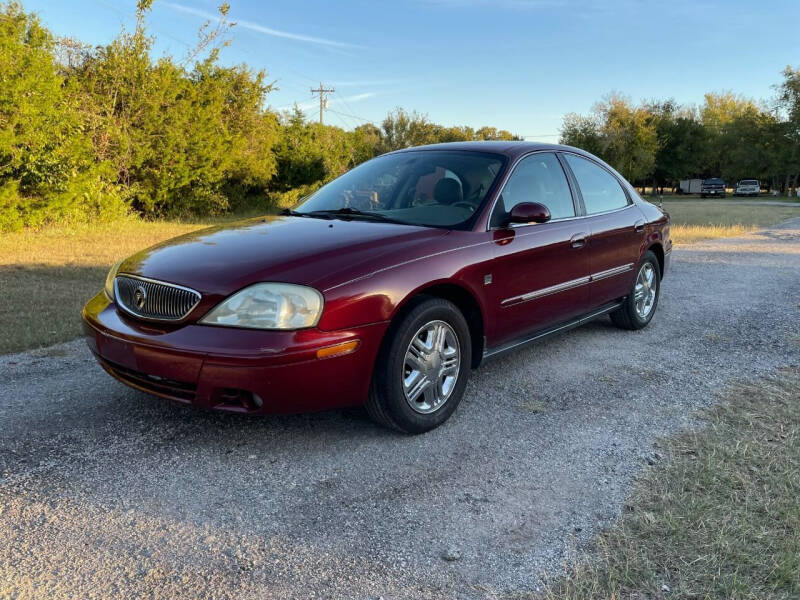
(537, 178)
(430, 187)
(600, 189)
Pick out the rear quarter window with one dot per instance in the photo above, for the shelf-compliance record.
(600, 189)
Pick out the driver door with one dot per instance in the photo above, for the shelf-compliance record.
(540, 271)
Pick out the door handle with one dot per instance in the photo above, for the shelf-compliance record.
(638, 227)
(578, 240)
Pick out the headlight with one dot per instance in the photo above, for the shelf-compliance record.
(269, 306)
(109, 289)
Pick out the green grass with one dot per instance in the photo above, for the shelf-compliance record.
(46, 276)
(719, 518)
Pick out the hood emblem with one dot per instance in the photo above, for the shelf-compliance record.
(139, 297)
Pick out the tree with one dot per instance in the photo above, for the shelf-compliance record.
(402, 129)
(681, 142)
(622, 135)
(492, 133)
(583, 132)
(46, 164)
(177, 141)
(787, 135)
(718, 113)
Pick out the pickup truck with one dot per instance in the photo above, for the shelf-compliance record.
(712, 187)
(747, 187)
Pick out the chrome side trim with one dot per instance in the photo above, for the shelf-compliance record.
(611, 272)
(567, 285)
(490, 352)
(553, 289)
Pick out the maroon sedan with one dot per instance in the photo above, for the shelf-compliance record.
(387, 286)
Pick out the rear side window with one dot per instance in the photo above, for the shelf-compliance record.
(600, 189)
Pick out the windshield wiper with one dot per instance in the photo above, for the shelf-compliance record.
(288, 212)
(349, 211)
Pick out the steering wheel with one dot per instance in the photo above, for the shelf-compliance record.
(469, 206)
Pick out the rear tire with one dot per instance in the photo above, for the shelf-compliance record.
(422, 368)
(640, 305)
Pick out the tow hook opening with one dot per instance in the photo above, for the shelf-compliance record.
(236, 399)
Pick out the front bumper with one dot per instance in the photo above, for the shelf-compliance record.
(237, 370)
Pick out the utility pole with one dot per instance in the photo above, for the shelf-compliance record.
(323, 98)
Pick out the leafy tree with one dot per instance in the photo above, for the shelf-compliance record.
(47, 170)
(177, 140)
(366, 141)
(681, 142)
(718, 113)
(402, 129)
(786, 151)
(622, 135)
(583, 132)
(494, 134)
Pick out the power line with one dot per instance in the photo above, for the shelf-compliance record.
(353, 117)
(352, 121)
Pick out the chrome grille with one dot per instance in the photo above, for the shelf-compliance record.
(154, 300)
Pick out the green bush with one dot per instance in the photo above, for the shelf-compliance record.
(10, 207)
(292, 197)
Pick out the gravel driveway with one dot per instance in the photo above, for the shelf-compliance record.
(106, 492)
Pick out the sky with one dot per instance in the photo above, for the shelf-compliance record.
(519, 65)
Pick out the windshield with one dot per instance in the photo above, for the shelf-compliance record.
(428, 187)
(713, 181)
(748, 182)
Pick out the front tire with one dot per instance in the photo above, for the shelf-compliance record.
(640, 305)
(422, 368)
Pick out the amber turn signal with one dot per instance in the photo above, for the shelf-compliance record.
(338, 349)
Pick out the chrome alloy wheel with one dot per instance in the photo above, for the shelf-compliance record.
(431, 367)
(644, 294)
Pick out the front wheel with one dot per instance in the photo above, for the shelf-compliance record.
(422, 368)
(639, 307)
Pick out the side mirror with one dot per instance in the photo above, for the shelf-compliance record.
(529, 212)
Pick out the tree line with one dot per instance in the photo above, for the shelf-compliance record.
(94, 133)
(658, 143)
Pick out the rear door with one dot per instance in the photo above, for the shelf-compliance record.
(616, 226)
(540, 273)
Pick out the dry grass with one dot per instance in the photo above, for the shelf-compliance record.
(710, 219)
(689, 234)
(719, 519)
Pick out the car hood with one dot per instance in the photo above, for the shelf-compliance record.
(316, 252)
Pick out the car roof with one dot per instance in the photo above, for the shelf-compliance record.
(512, 149)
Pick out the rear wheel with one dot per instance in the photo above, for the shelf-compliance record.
(422, 368)
(640, 305)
